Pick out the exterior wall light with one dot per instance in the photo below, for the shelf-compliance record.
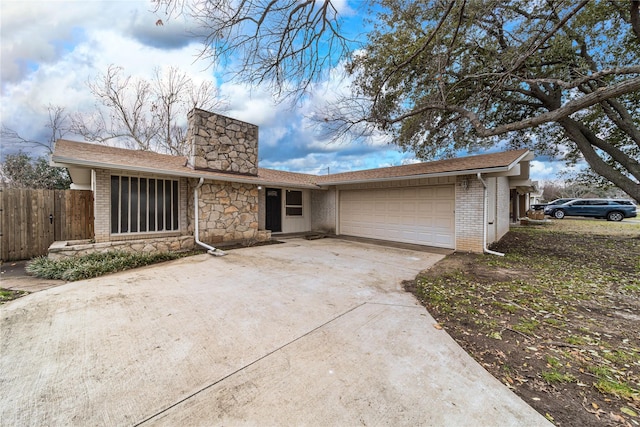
(465, 183)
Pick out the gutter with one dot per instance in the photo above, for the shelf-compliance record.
(210, 249)
(484, 220)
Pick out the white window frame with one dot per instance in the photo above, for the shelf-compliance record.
(288, 206)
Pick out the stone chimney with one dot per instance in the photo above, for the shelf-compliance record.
(222, 144)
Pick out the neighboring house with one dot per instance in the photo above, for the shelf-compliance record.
(535, 195)
(146, 201)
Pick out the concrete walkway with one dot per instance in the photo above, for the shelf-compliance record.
(301, 333)
(13, 276)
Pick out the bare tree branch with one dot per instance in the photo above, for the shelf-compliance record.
(286, 45)
(145, 115)
(58, 124)
(566, 84)
(535, 46)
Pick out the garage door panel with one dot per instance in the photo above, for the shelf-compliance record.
(442, 208)
(443, 226)
(422, 215)
(444, 192)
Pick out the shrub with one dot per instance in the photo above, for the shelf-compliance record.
(93, 265)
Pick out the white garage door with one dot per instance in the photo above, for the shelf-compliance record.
(421, 215)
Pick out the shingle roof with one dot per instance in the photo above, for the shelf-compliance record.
(457, 166)
(101, 156)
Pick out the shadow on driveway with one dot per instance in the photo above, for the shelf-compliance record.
(14, 276)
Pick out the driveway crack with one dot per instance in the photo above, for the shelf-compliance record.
(197, 392)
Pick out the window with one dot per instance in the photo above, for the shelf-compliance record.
(293, 206)
(143, 205)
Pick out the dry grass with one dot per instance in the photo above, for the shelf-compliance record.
(555, 319)
(627, 227)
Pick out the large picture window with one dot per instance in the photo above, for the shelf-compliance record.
(293, 204)
(143, 205)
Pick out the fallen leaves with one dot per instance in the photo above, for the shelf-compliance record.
(548, 307)
(495, 335)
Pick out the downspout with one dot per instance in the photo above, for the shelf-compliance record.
(210, 249)
(484, 219)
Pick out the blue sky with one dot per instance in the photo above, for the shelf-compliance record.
(50, 49)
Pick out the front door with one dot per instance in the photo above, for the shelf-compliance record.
(274, 210)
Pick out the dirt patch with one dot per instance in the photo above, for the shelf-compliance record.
(555, 320)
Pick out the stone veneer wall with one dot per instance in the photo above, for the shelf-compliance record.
(60, 250)
(221, 143)
(227, 212)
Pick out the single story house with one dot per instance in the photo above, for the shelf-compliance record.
(145, 201)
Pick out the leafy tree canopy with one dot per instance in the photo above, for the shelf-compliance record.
(21, 171)
(561, 77)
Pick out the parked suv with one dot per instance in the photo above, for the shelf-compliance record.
(540, 206)
(612, 210)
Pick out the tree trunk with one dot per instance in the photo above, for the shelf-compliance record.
(599, 166)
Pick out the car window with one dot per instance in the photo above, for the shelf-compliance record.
(580, 203)
(598, 202)
(560, 201)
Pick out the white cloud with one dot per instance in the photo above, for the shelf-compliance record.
(550, 170)
(63, 80)
(540, 170)
(51, 49)
(36, 32)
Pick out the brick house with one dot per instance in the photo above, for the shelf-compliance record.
(146, 201)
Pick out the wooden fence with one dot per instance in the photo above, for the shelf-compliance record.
(33, 219)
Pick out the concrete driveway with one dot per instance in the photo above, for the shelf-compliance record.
(301, 333)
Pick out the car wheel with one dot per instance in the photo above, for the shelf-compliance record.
(615, 216)
(559, 214)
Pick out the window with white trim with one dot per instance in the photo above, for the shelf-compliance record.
(144, 205)
(293, 203)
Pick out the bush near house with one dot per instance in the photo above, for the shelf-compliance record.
(555, 319)
(94, 265)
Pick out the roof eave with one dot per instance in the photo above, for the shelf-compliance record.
(420, 176)
(69, 162)
(526, 156)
